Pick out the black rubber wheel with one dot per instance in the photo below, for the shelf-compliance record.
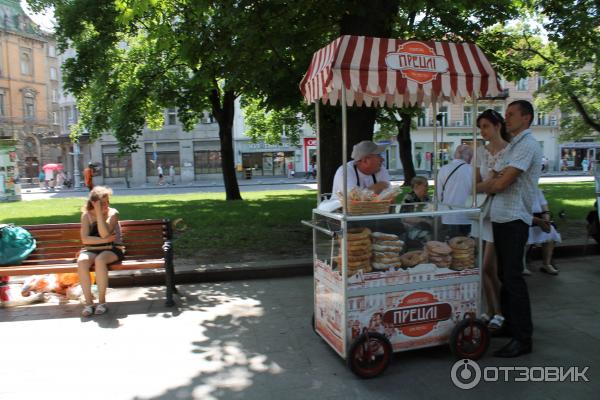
(369, 355)
(470, 339)
(314, 327)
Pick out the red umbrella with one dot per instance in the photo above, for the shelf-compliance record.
(56, 167)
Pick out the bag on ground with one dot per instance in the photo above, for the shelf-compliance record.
(16, 244)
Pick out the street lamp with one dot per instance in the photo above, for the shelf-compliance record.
(440, 119)
(76, 175)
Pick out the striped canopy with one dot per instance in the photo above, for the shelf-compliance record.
(392, 72)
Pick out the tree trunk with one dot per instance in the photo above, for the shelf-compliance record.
(405, 147)
(224, 115)
(372, 18)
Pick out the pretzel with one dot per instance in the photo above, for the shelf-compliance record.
(413, 258)
(362, 257)
(461, 243)
(384, 236)
(358, 234)
(388, 249)
(393, 243)
(435, 247)
(463, 256)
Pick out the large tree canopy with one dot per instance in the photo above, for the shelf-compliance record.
(564, 57)
(135, 57)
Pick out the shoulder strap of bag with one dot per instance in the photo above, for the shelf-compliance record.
(447, 179)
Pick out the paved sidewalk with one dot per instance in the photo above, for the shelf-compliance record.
(252, 340)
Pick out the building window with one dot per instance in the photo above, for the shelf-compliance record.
(163, 158)
(53, 74)
(29, 106)
(422, 119)
(171, 116)
(51, 50)
(443, 112)
(55, 95)
(542, 119)
(207, 118)
(541, 81)
(2, 99)
(26, 68)
(116, 166)
(523, 84)
(54, 117)
(468, 114)
(69, 114)
(207, 162)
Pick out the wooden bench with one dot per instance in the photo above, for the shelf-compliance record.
(148, 245)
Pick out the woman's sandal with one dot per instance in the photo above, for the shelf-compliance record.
(496, 323)
(101, 309)
(87, 311)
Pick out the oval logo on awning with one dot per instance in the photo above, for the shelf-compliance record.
(417, 61)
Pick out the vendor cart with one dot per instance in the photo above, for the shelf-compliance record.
(367, 310)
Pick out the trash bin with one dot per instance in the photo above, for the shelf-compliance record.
(248, 173)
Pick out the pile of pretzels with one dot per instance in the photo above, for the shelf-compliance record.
(386, 251)
(359, 250)
(463, 253)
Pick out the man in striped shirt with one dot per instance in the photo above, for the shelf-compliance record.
(513, 187)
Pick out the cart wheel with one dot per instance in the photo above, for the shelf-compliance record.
(312, 321)
(470, 339)
(369, 355)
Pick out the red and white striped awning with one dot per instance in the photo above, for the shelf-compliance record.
(392, 72)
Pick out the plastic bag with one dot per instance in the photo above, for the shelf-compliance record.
(15, 244)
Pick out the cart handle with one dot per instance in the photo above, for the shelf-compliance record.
(312, 224)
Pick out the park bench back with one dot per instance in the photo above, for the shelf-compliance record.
(147, 242)
(143, 239)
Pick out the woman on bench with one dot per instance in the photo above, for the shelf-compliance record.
(101, 237)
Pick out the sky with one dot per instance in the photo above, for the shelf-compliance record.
(45, 20)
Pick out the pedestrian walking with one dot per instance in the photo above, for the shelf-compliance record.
(88, 176)
(161, 176)
(60, 179)
(172, 174)
(42, 180)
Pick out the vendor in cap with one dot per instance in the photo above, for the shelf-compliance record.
(365, 170)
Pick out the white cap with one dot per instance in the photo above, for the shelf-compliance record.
(365, 148)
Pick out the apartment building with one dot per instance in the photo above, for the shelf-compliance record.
(29, 91)
(455, 126)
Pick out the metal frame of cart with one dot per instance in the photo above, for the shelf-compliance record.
(376, 72)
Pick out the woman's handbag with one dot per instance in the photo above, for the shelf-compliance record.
(484, 202)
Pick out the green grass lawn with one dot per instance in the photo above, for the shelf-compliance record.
(575, 198)
(265, 223)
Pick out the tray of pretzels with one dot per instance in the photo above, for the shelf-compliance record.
(365, 201)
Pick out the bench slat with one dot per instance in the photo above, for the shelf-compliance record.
(126, 265)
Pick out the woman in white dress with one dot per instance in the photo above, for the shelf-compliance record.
(542, 232)
(493, 130)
